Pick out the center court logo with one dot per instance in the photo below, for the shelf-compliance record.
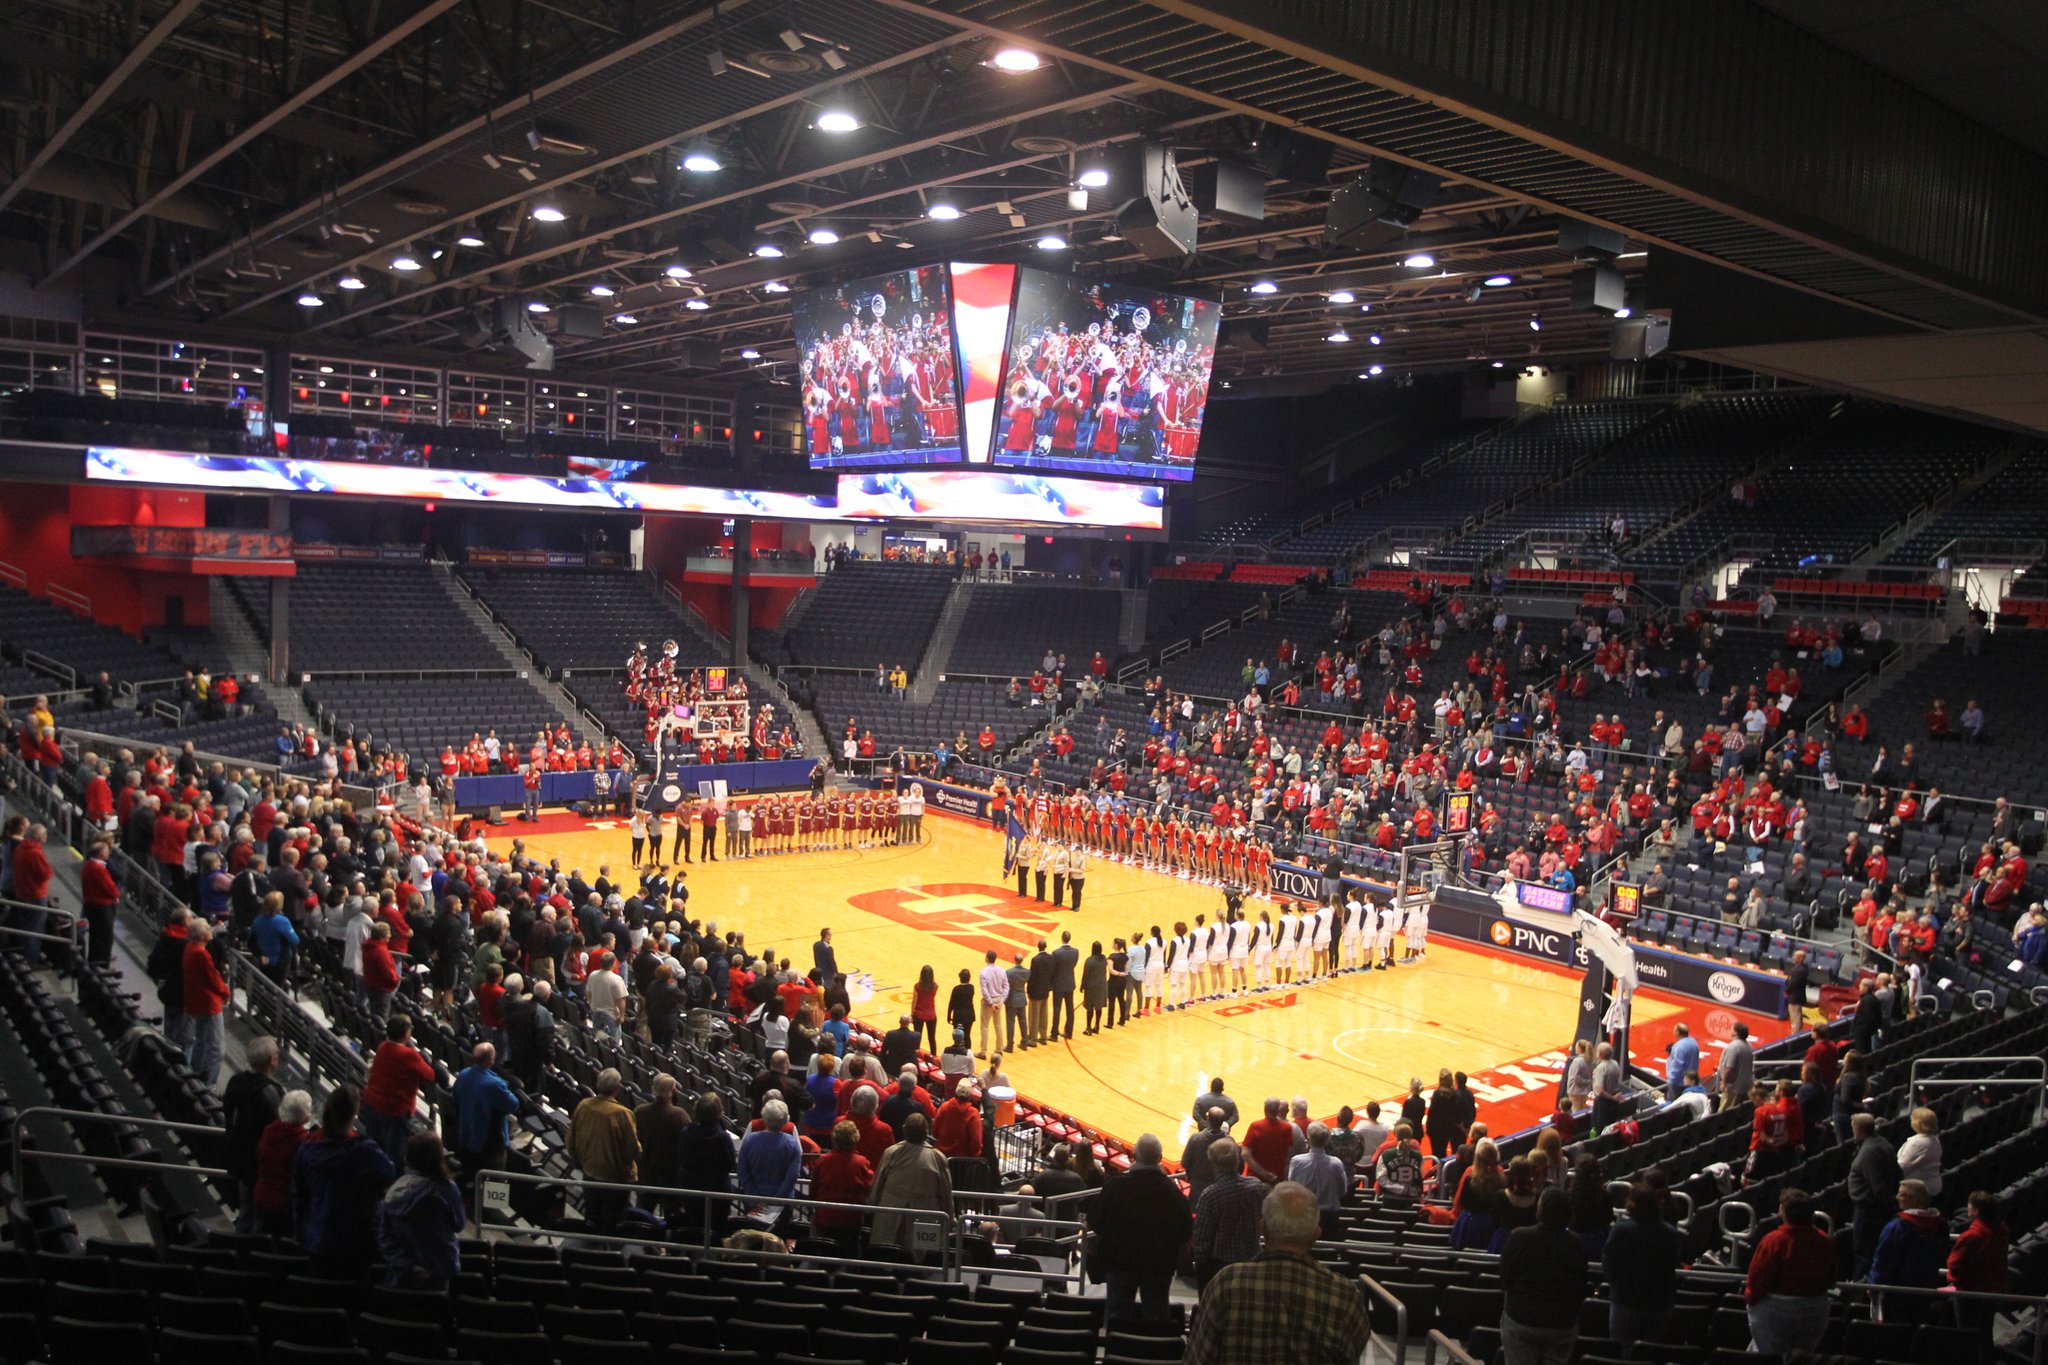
(1727, 987)
(974, 915)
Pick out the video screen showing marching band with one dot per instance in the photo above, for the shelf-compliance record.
(878, 372)
(1105, 378)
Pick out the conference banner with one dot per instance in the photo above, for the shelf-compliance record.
(179, 542)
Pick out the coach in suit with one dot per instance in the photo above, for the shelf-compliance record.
(1064, 959)
(1038, 994)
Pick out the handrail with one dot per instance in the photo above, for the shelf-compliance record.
(54, 667)
(1453, 1352)
(2038, 1082)
(22, 1149)
(68, 599)
(1384, 1295)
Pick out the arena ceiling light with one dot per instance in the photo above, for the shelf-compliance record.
(1374, 339)
(823, 236)
(750, 354)
(1500, 364)
(1420, 260)
(768, 251)
(1498, 281)
(1052, 241)
(1342, 296)
(700, 159)
(1340, 335)
(696, 305)
(1373, 372)
(837, 119)
(536, 306)
(677, 271)
(469, 239)
(944, 211)
(350, 283)
(625, 319)
(1624, 311)
(602, 291)
(769, 286)
(1535, 322)
(311, 300)
(1015, 60)
(1263, 287)
(546, 213)
(405, 264)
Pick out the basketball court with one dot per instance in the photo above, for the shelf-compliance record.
(1505, 1021)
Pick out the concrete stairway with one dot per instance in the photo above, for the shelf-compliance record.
(247, 653)
(940, 648)
(762, 685)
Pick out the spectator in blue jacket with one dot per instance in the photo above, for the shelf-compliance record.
(770, 1158)
(1912, 1251)
(273, 938)
(338, 1179)
(422, 1219)
(483, 1101)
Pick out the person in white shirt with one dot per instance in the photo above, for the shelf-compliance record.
(1077, 873)
(1177, 967)
(1239, 952)
(1198, 959)
(1417, 931)
(1283, 945)
(1319, 945)
(1304, 949)
(1389, 920)
(746, 849)
(1262, 952)
(1155, 972)
(1347, 938)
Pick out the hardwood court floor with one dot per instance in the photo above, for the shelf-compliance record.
(1351, 1039)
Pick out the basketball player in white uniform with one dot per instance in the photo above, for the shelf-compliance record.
(1389, 920)
(1418, 929)
(1347, 937)
(1262, 952)
(1155, 972)
(1319, 944)
(1198, 960)
(1239, 952)
(1219, 955)
(1177, 967)
(1304, 950)
(1283, 945)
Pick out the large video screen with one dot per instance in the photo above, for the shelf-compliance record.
(981, 496)
(877, 371)
(1105, 378)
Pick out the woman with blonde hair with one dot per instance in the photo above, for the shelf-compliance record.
(1920, 1154)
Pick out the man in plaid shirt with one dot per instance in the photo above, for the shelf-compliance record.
(1283, 1308)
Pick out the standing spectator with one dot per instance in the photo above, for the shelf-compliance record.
(994, 989)
(380, 970)
(603, 1141)
(1214, 1098)
(1543, 1280)
(1641, 1262)
(1038, 990)
(1977, 1265)
(1445, 1109)
(1269, 1142)
(1873, 1190)
(1095, 987)
(206, 995)
(398, 1072)
(1227, 1209)
(960, 1010)
(272, 938)
(1578, 1078)
(483, 1103)
(166, 967)
(1592, 1211)
(1194, 1157)
(705, 1155)
(924, 1011)
(913, 1176)
(842, 1176)
(899, 1044)
(248, 1108)
(1913, 1248)
(1065, 958)
(337, 1182)
(1283, 1306)
(769, 1160)
(1141, 1226)
(1610, 1089)
(1777, 1133)
(1736, 1071)
(1790, 1274)
(957, 1131)
(29, 868)
(1322, 1175)
(422, 1219)
(1920, 1154)
(277, 1154)
(1399, 1175)
(101, 896)
(658, 1126)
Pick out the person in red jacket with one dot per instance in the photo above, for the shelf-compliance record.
(101, 895)
(1777, 1134)
(32, 874)
(206, 995)
(842, 1176)
(380, 977)
(956, 1132)
(168, 846)
(1977, 1264)
(1790, 1274)
(397, 1075)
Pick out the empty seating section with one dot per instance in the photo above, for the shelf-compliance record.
(577, 620)
(1868, 467)
(1279, 527)
(29, 623)
(1665, 468)
(1216, 669)
(2010, 506)
(1183, 610)
(90, 419)
(2005, 682)
(417, 716)
(1009, 629)
(391, 618)
(862, 614)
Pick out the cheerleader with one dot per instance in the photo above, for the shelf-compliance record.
(1283, 945)
(1262, 952)
(1347, 939)
(1155, 973)
(1177, 967)
(1418, 929)
(1319, 944)
(1239, 952)
(1389, 920)
(639, 827)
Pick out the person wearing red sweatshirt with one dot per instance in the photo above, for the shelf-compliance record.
(206, 995)
(397, 1075)
(101, 894)
(1790, 1274)
(380, 974)
(1977, 1263)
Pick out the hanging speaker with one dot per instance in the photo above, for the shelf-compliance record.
(1161, 222)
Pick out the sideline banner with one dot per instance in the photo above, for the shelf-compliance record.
(1699, 978)
(946, 797)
